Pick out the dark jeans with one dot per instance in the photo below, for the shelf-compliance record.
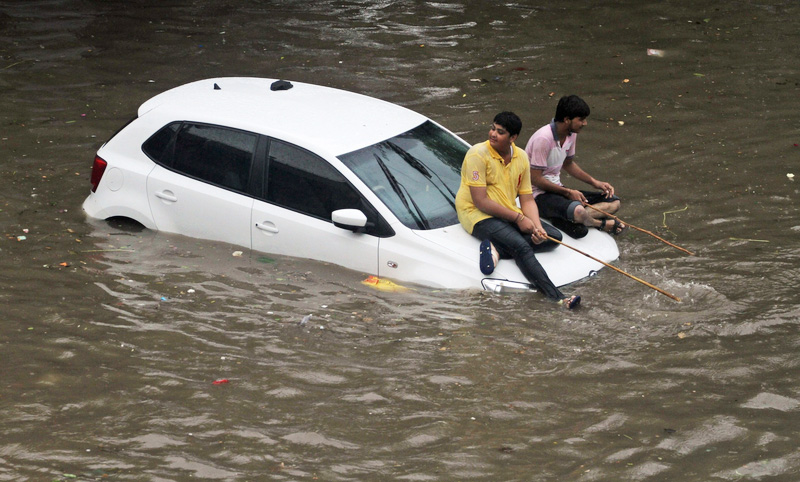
(512, 243)
(553, 206)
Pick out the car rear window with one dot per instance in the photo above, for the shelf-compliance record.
(214, 154)
(156, 146)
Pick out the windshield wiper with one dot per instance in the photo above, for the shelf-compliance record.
(419, 166)
(402, 193)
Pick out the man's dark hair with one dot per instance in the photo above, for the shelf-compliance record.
(571, 106)
(509, 121)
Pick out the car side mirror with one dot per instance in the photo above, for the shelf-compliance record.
(351, 219)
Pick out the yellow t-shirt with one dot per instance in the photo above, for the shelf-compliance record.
(483, 166)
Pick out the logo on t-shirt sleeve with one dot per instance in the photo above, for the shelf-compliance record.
(476, 176)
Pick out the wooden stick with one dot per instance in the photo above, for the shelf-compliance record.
(640, 229)
(618, 270)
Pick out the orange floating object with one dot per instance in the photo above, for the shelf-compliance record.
(383, 284)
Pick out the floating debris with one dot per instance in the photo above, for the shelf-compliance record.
(750, 240)
(664, 221)
(382, 284)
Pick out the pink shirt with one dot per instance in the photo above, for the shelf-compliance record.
(546, 154)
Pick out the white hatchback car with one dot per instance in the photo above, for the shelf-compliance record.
(302, 170)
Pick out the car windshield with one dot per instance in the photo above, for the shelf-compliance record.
(416, 174)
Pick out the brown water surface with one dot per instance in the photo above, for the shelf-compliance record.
(112, 337)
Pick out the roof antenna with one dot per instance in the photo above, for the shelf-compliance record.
(281, 85)
(217, 87)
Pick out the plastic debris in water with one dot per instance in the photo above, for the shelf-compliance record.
(790, 176)
(655, 52)
(221, 381)
(305, 319)
(383, 284)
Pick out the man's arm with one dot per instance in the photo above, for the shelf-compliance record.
(482, 201)
(574, 170)
(531, 212)
(528, 222)
(538, 180)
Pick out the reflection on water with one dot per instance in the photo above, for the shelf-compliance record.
(135, 355)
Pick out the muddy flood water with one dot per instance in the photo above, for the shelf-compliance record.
(112, 337)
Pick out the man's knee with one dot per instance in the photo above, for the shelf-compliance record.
(580, 215)
(552, 231)
(613, 206)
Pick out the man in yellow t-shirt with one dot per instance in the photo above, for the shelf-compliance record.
(493, 175)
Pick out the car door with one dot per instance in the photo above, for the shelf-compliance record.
(201, 192)
(293, 217)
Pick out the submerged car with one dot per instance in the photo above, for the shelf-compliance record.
(302, 170)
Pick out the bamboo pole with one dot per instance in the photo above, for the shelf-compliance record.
(640, 229)
(618, 270)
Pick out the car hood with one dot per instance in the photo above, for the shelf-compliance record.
(466, 249)
(562, 264)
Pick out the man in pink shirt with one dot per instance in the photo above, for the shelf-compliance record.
(551, 149)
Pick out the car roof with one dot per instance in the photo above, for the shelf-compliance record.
(323, 119)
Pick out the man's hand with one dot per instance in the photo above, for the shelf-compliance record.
(606, 188)
(539, 235)
(576, 195)
(526, 225)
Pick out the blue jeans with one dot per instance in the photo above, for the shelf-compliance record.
(513, 243)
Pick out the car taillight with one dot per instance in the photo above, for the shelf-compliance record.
(98, 168)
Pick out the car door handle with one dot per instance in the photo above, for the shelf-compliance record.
(166, 196)
(267, 228)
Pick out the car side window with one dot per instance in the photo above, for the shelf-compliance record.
(158, 146)
(303, 182)
(213, 154)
